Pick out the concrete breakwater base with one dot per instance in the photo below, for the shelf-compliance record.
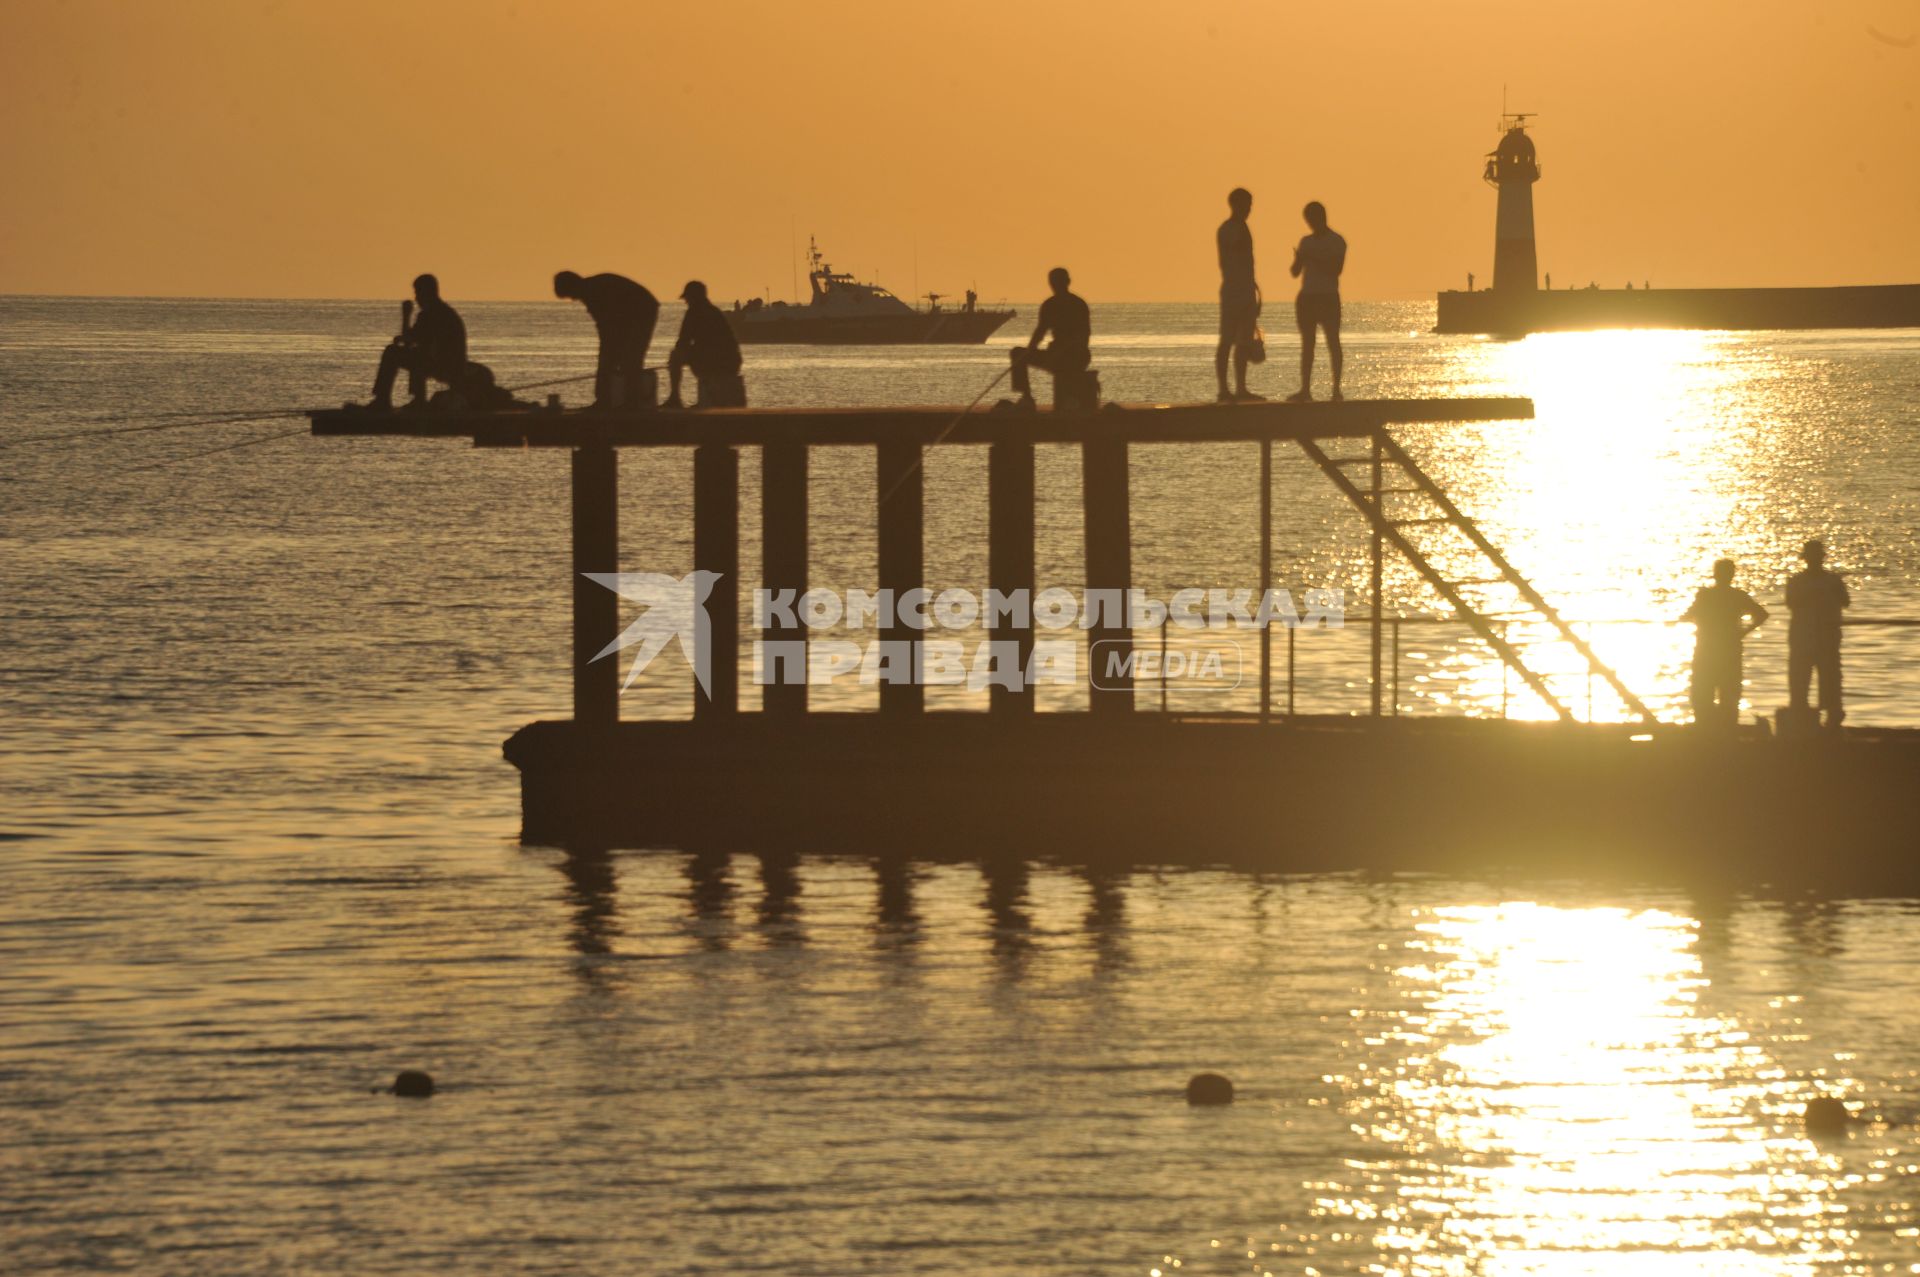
(1295, 795)
(1514, 312)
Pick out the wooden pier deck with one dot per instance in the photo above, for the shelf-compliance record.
(872, 427)
(763, 772)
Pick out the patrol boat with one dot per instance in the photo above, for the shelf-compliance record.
(845, 312)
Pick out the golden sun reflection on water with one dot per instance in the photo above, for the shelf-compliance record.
(1552, 1096)
(1636, 472)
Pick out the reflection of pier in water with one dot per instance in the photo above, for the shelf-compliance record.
(1272, 790)
(712, 887)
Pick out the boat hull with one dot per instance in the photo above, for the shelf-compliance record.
(802, 328)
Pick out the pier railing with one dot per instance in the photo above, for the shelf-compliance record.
(1476, 694)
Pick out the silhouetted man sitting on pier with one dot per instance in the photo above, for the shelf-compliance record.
(1722, 615)
(1317, 264)
(433, 345)
(707, 345)
(1815, 600)
(624, 313)
(1071, 323)
(1239, 297)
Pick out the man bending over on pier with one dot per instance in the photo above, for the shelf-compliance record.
(624, 313)
(433, 344)
(1722, 615)
(1815, 600)
(1071, 323)
(1317, 264)
(707, 345)
(1239, 297)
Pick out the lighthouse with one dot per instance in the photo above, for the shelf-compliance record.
(1513, 169)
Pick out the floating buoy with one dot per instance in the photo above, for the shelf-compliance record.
(413, 1084)
(1825, 1116)
(1209, 1088)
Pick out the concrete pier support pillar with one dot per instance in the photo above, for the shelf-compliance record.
(1109, 572)
(783, 566)
(902, 526)
(716, 549)
(596, 609)
(1010, 499)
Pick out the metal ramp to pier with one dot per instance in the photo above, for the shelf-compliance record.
(1433, 508)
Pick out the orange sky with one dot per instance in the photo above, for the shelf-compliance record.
(336, 147)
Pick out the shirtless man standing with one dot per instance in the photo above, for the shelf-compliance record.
(1317, 264)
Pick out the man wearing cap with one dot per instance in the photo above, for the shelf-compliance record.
(1815, 600)
(706, 345)
(624, 313)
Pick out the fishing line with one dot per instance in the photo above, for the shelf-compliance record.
(104, 427)
(285, 411)
(921, 456)
(557, 381)
(231, 447)
(228, 420)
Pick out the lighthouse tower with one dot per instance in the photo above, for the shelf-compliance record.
(1513, 169)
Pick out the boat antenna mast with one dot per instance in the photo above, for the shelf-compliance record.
(816, 268)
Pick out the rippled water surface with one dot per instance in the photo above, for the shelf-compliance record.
(258, 851)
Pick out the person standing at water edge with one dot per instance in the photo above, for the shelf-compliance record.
(706, 345)
(1239, 296)
(1317, 263)
(1815, 600)
(1722, 615)
(433, 345)
(624, 314)
(1071, 323)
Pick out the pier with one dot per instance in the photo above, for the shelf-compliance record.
(1112, 783)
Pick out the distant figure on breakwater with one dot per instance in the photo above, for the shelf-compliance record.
(1239, 298)
(1722, 615)
(1815, 600)
(624, 313)
(1549, 282)
(1469, 281)
(432, 344)
(1317, 263)
(1067, 318)
(706, 345)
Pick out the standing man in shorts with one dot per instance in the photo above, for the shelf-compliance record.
(1317, 264)
(1239, 297)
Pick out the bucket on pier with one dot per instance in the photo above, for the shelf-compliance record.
(1077, 391)
(643, 397)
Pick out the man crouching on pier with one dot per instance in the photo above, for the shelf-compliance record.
(432, 344)
(707, 345)
(1067, 318)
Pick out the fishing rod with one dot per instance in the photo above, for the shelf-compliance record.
(921, 456)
